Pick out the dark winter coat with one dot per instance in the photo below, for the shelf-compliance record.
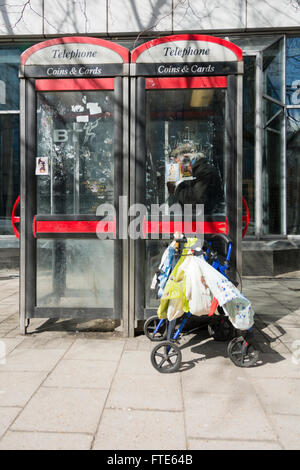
(206, 189)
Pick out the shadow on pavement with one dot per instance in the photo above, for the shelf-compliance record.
(208, 348)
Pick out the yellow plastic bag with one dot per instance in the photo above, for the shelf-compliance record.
(173, 302)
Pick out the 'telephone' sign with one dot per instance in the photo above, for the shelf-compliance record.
(73, 54)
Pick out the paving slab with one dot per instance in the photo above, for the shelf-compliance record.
(15, 440)
(204, 350)
(137, 363)
(7, 345)
(211, 444)
(10, 296)
(44, 341)
(288, 430)
(93, 349)
(7, 416)
(139, 430)
(14, 333)
(62, 410)
(265, 308)
(8, 309)
(151, 392)
(278, 366)
(289, 320)
(217, 416)
(8, 326)
(32, 359)
(77, 373)
(217, 379)
(16, 388)
(290, 334)
(273, 347)
(279, 395)
(283, 295)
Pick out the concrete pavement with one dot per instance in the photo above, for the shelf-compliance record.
(64, 387)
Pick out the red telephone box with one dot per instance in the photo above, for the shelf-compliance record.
(72, 161)
(100, 125)
(188, 106)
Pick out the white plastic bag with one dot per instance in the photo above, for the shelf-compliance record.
(235, 305)
(196, 290)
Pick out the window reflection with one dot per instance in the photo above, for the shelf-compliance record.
(9, 78)
(249, 139)
(272, 175)
(293, 171)
(185, 148)
(273, 70)
(293, 71)
(9, 169)
(75, 138)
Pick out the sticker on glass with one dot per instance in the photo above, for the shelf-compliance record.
(172, 172)
(41, 166)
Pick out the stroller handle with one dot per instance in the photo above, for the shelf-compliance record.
(224, 237)
(228, 243)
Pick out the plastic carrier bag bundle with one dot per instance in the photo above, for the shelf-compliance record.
(192, 284)
(234, 304)
(174, 301)
(196, 290)
(165, 269)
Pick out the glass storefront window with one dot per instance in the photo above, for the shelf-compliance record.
(75, 151)
(293, 71)
(249, 139)
(273, 71)
(9, 78)
(9, 133)
(293, 138)
(9, 169)
(272, 169)
(293, 171)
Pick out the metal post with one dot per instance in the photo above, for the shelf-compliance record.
(118, 188)
(283, 147)
(29, 198)
(258, 145)
(233, 192)
(22, 291)
(140, 151)
(131, 201)
(239, 172)
(123, 215)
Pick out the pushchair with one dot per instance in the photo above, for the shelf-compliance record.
(166, 357)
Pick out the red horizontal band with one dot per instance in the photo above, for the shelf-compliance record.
(70, 84)
(185, 82)
(149, 227)
(153, 227)
(72, 226)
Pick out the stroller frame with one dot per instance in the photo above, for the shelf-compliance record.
(166, 357)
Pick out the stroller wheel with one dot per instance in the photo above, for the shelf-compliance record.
(151, 325)
(166, 357)
(220, 328)
(242, 353)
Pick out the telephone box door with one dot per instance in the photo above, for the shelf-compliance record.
(72, 167)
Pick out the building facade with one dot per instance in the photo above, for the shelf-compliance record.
(268, 34)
